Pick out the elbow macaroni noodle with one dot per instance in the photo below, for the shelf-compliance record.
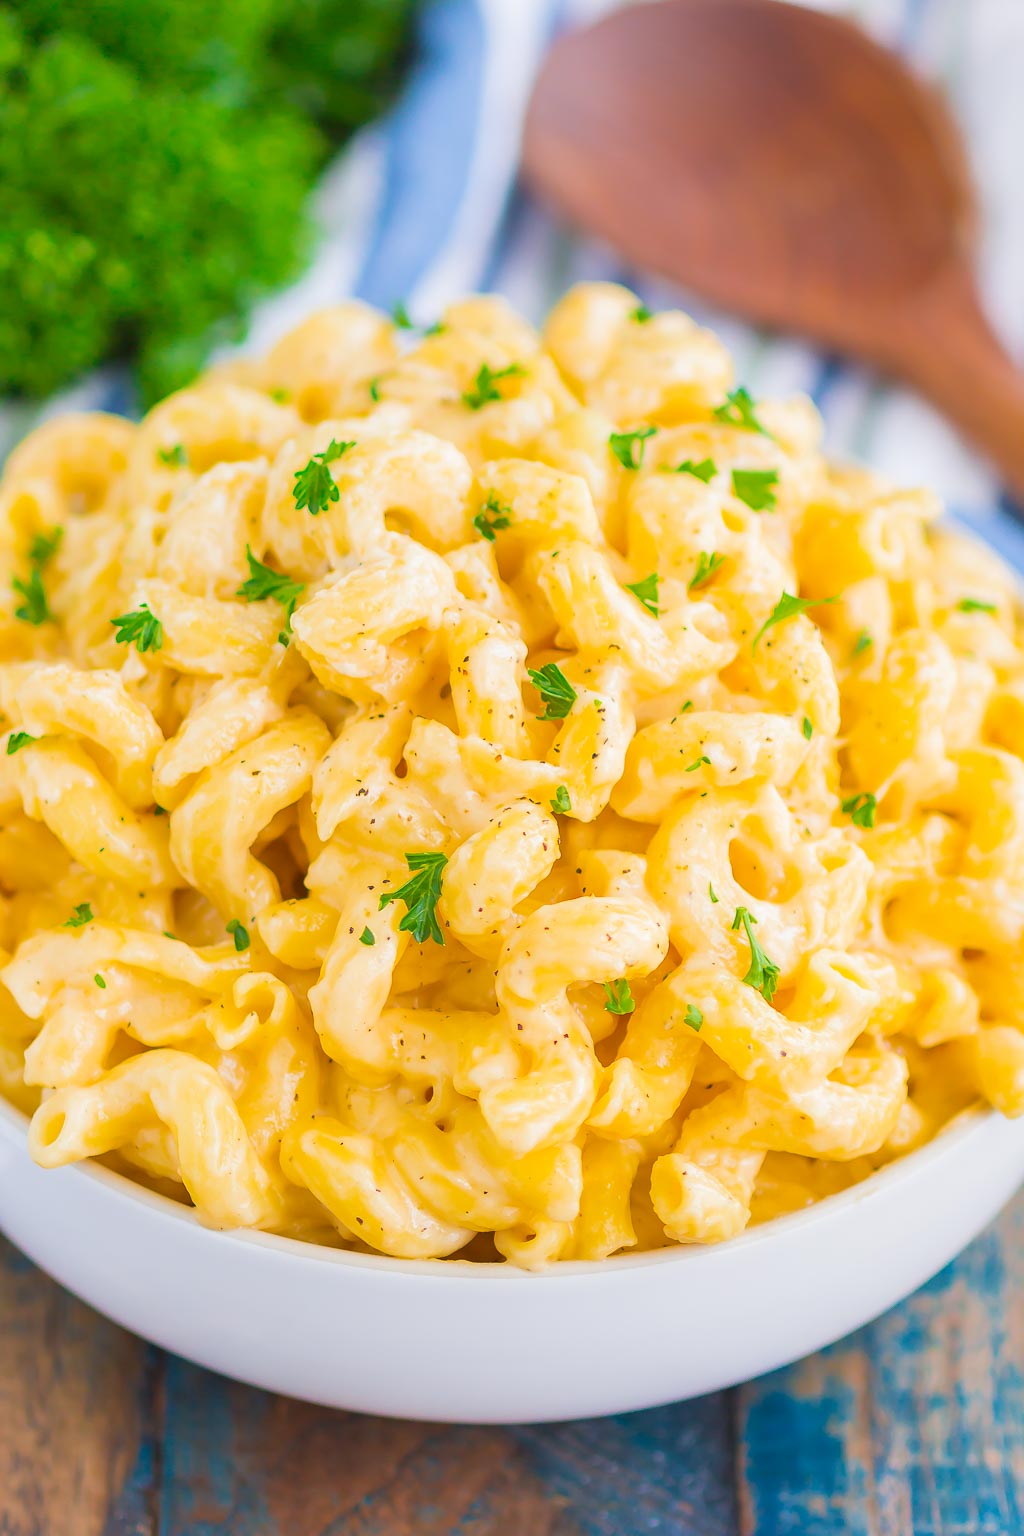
(529, 804)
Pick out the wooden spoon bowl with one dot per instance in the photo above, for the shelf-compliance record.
(782, 164)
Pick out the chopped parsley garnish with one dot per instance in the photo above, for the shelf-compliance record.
(555, 689)
(807, 727)
(641, 314)
(174, 457)
(483, 389)
(98, 979)
(367, 938)
(44, 546)
(693, 1017)
(706, 470)
(80, 916)
(763, 974)
(33, 609)
(375, 390)
(618, 997)
(420, 894)
(314, 486)
(400, 316)
(561, 804)
(707, 565)
(18, 739)
(975, 605)
(492, 517)
(239, 933)
(280, 396)
(646, 592)
(860, 809)
(699, 763)
(140, 628)
(266, 583)
(788, 607)
(628, 447)
(738, 409)
(756, 488)
(862, 642)
(711, 893)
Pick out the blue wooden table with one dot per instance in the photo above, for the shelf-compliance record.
(912, 1427)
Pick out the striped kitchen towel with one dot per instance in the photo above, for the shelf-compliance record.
(424, 206)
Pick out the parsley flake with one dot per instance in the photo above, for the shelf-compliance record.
(788, 607)
(561, 804)
(98, 979)
(280, 396)
(367, 938)
(862, 642)
(314, 486)
(860, 809)
(693, 1017)
(493, 515)
(174, 457)
(555, 689)
(375, 390)
(34, 608)
(807, 728)
(618, 997)
(140, 628)
(264, 583)
(711, 893)
(756, 488)
(401, 318)
(483, 389)
(707, 565)
(420, 894)
(44, 546)
(641, 314)
(975, 605)
(738, 409)
(80, 916)
(239, 933)
(18, 739)
(763, 974)
(628, 447)
(699, 763)
(646, 592)
(706, 470)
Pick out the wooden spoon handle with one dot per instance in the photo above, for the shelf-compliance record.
(943, 344)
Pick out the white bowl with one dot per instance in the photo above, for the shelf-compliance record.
(486, 1343)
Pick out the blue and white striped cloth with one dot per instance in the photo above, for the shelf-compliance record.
(424, 206)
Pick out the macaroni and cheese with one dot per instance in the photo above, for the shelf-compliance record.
(478, 792)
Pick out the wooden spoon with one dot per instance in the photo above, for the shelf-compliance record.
(781, 163)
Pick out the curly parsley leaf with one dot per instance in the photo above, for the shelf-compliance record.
(33, 608)
(618, 997)
(646, 591)
(263, 582)
(140, 628)
(239, 933)
(628, 447)
(80, 916)
(561, 804)
(707, 565)
(756, 488)
(314, 486)
(420, 893)
(763, 974)
(788, 607)
(44, 546)
(860, 809)
(555, 689)
(18, 739)
(738, 409)
(484, 386)
(492, 517)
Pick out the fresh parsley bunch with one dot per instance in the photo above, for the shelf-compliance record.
(155, 163)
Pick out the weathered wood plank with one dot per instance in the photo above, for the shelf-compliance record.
(912, 1427)
(75, 1394)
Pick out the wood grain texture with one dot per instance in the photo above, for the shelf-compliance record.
(912, 1427)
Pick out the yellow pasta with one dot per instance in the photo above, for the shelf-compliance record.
(498, 789)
